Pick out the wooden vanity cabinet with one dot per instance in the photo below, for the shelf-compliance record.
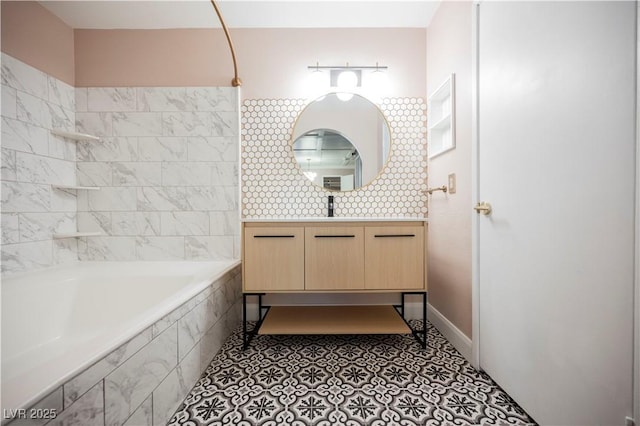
(334, 256)
(394, 257)
(273, 259)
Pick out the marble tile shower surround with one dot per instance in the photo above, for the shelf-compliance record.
(167, 168)
(33, 103)
(166, 165)
(273, 186)
(145, 380)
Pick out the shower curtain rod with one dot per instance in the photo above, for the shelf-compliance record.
(236, 82)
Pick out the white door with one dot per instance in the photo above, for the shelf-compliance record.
(556, 160)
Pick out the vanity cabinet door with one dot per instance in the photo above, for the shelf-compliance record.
(394, 257)
(273, 258)
(334, 258)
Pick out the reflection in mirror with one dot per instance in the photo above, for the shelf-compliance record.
(336, 162)
(341, 145)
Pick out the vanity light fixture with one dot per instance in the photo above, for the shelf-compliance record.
(377, 81)
(318, 82)
(347, 79)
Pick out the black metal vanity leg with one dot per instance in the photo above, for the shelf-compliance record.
(424, 320)
(244, 321)
(419, 335)
(247, 335)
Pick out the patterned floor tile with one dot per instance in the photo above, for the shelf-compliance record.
(345, 380)
(311, 408)
(413, 407)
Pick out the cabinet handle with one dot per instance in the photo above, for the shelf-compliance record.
(395, 235)
(274, 236)
(334, 236)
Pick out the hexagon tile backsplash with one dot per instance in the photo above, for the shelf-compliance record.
(272, 185)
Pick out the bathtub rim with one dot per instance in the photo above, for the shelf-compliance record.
(117, 337)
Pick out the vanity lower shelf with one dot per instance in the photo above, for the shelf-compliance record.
(333, 320)
(342, 320)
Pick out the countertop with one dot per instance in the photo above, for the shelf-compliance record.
(336, 219)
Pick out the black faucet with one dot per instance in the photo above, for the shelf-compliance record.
(330, 205)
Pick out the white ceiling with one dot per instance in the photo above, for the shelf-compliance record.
(153, 14)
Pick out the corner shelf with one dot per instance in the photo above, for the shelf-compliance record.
(441, 118)
(73, 187)
(74, 135)
(76, 235)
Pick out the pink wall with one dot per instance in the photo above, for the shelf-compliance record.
(272, 62)
(449, 276)
(112, 58)
(35, 36)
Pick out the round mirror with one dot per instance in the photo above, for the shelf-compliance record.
(341, 144)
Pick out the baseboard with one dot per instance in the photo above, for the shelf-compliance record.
(452, 333)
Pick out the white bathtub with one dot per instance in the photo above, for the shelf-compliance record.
(58, 321)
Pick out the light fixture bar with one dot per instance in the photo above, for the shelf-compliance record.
(347, 67)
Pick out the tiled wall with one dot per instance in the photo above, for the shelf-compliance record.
(144, 381)
(33, 159)
(273, 185)
(166, 165)
(167, 168)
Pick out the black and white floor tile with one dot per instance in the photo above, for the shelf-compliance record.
(345, 380)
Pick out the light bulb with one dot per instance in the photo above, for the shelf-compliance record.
(377, 83)
(318, 83)
(347, 80)
(347, 83)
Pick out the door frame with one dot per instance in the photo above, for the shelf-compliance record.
(475, 197)
(475, 189)
(636, 305)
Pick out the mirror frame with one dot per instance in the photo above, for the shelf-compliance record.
(382, 169)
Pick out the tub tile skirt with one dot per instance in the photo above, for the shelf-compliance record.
(345, 380)
(144, 380)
